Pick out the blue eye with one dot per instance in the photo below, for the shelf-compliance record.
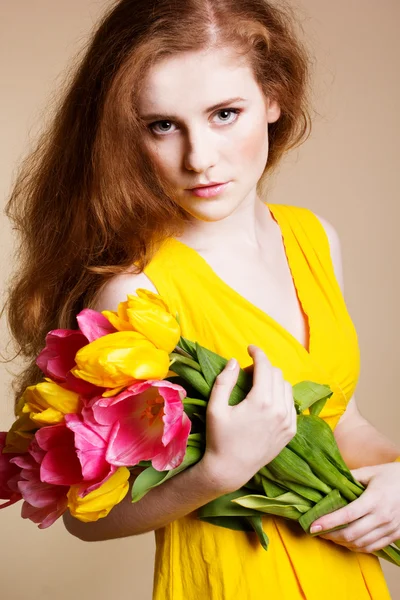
(153, 125)
(158, 127)
(230, 111)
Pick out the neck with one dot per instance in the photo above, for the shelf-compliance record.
(247, 226)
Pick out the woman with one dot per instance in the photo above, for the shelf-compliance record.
(151, 176)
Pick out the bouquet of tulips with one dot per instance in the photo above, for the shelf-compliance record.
(127, 391)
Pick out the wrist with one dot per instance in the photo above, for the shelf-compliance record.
(216, 475)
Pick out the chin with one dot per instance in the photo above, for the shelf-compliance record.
(210, 209)
(210, 214)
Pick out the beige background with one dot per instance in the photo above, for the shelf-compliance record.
(346, 172)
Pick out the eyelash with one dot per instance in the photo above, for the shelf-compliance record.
(235, 111)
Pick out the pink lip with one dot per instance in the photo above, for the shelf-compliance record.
(209, 190)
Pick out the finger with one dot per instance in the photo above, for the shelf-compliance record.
(353, 532)
(381, 543)
(262, 377)
(223, 385)
(355, 510)
(374, 536)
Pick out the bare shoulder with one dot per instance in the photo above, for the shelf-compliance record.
(116, 289)
(335, 248)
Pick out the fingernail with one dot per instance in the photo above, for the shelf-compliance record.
(315, 529)
(231, 364)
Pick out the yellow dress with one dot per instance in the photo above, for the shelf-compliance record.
(196, 560)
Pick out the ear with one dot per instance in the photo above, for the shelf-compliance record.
(273, 110)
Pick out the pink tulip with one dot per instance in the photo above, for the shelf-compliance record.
(93, 324)
(58, 357)
(43, 503)
(75, 452)
(91, 442)
(59, 465)
(148, 424)
(9, 475)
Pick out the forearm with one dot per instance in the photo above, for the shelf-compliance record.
(172, 500)
(364, 445)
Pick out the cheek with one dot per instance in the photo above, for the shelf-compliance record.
(164, 158)
(252, 148)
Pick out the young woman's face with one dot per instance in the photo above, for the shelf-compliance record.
(207, 122)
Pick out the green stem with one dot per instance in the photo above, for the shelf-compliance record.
(179, 350)
(178, 358)
(195, 401)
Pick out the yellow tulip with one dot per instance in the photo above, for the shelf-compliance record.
(147, 314)
(119, 359)
(97, 504)
(119, 319)
(20, 435)
(46, 403)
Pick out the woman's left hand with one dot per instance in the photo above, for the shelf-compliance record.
(374, 517)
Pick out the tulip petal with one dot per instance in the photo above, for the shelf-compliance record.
(58, 356)
(60, 464)
(173, 408)
(90, 443)
(44, 516)
(47, 402)
(150, 297)
(134, 441)
(39, 494)
(94, 324)
(119, 359)
(9, 475)
(173, 454)
(98, 503)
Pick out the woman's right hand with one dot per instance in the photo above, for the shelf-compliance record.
(243, 438)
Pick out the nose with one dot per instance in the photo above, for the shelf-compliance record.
(200, 152)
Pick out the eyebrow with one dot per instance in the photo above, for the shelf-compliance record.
(160, 116)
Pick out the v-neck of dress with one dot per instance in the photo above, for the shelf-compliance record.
(285, 232)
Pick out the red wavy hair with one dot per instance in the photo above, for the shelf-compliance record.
(87, 203)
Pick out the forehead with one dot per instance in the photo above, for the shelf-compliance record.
(194, 80)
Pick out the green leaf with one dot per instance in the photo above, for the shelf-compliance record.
(316, 429)
(188, 346)
(151, 478)
(389, 553)
(333, 501)
(271, 489)
(193, 377)
(307, 393)
(185, 360)
(211, 366)
(256, 523)
(287, 465)
(194, 407)
(312, 442)
(302, 490)
(244, 381)
(224, 507)
(208, 369)
(235, 523)
(287, 505)
(145, 481)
